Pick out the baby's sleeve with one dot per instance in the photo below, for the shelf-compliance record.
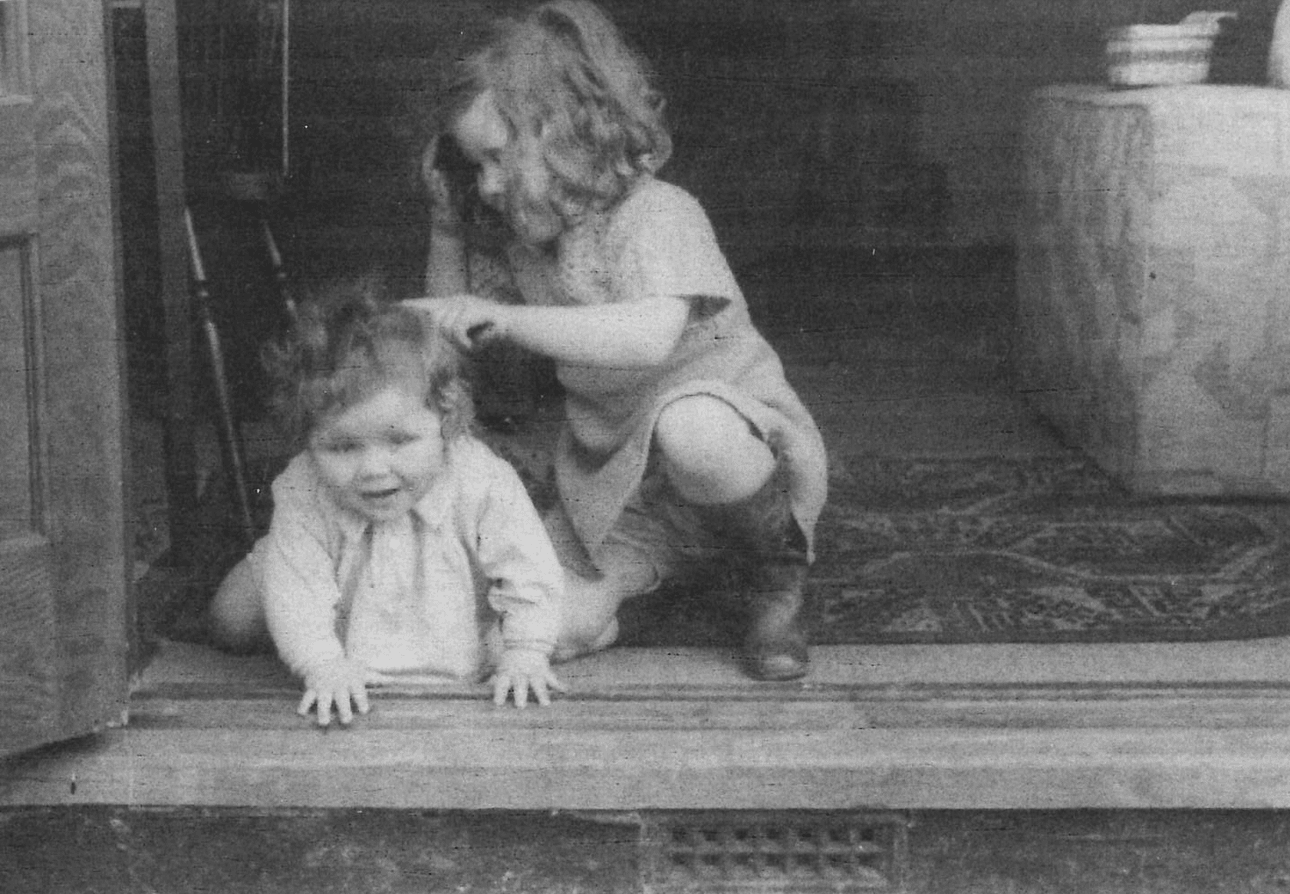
(298, 579)
(515, 553)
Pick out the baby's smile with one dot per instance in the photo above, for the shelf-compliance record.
(382, 497)
(382, 504)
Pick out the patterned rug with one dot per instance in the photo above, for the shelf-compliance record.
(934, 551)
(1037, 550)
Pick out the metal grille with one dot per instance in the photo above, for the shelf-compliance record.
(798, 851)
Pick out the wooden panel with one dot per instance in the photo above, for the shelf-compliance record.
(62, 556)
(83, 348)
(13, 59)
(28, 673)
(683, 729)
(28, 665)
(848, 708)
(168, 151)
(17, 167)
(659, 753)
(19, 479)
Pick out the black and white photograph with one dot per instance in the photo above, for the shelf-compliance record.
(645, 446)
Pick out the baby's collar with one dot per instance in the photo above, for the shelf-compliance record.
(432, 508)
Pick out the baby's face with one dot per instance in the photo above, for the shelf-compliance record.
(513, 176)
(380, 456)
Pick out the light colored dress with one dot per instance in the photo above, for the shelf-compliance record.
(421, 595)
(659, 241)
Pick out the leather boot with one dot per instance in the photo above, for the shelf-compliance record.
(769, 557)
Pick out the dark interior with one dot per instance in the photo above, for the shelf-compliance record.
(860, 162)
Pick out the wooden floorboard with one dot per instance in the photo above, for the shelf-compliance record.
(1205, 725)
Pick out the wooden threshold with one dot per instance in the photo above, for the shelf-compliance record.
(898, 727)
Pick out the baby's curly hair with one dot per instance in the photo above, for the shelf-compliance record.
(565, 71)
(348, 341)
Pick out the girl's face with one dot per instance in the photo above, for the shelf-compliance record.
(513, 177)
(380, 456)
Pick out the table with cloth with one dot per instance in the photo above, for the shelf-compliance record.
(1154, 300)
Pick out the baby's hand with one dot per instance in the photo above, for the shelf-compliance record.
(337, 682)
(522, 670)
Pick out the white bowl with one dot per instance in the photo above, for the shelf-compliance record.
(1145, 55)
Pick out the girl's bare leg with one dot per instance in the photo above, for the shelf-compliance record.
(710, 453)
(715, 461)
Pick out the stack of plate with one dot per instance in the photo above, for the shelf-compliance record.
(1145, 55)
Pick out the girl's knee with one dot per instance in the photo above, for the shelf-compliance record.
(236, 613)
(711, 453)
(702, 429)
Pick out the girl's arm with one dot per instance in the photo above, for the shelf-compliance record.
(633, 334)
(446, 272)
(445, 262)
(628, 335)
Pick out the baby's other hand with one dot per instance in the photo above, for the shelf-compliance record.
(520, 671)
(340, 682)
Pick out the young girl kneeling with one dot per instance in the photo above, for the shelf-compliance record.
(684, 444)
(399, 543)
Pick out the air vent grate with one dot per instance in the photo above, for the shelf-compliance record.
(799, 851)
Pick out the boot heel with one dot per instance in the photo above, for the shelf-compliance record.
(776, 648)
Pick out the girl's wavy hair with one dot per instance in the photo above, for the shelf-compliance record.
(348, 342)
(564, 71)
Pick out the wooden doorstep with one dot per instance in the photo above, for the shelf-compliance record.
(901, 727)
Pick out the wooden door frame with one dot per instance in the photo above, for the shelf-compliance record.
(1161, 725)
(67, 576)
(164, 90)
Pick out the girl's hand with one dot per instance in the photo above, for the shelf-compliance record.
(338, 682)
(520, 671)
(440, 190)
(468, 321)
(444, 211)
